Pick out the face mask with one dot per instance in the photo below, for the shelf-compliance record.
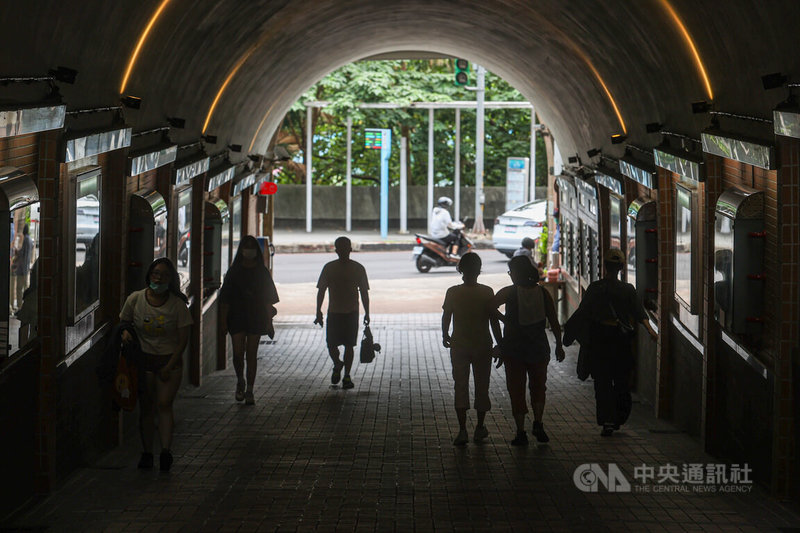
(249, 253)
(159, 288)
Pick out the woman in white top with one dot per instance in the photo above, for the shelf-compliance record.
(161, 320)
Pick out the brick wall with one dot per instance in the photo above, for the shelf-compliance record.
(666, 290)
(787, 359)
(50, 335)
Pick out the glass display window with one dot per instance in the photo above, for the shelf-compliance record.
(685, 271)
(84, 280)
(184, 234)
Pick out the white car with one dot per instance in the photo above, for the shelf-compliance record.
(512, 226)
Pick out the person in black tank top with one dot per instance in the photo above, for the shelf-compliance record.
(525, 347)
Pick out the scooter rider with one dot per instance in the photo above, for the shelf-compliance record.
(440, 222)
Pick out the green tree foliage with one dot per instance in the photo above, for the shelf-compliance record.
(507, 130)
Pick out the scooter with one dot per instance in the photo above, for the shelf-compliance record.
(433, 252)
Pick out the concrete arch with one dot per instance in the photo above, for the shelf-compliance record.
(542, 48)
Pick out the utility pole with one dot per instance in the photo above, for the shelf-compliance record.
(481, 90)
(349, 183)
(532, 190)
(457, 182)
(309, 169)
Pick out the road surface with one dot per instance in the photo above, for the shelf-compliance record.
(395, 284)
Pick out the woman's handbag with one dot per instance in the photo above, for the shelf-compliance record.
(626, 329)
(368, 347)
(126, 384)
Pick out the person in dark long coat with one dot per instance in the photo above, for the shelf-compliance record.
(609, 313)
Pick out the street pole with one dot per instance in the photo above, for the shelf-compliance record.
(457, 181)
(386, 153)
(349, 185)
(309, 142)
(481, 89)
(430, 166)
(403, 185)
(532, 191)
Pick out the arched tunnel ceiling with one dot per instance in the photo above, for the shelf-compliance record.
(543, 48)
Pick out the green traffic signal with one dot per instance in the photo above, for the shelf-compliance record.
(462, 72)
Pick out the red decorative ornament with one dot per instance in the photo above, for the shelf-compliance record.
(268, 188)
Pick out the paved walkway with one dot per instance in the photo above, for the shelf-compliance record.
(312, 457)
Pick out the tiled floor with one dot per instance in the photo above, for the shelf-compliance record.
(313, 457)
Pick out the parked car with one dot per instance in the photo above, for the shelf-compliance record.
(512, 226)
(87, 223)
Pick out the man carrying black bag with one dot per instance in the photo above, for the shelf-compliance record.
(612, 309)
(344, 279)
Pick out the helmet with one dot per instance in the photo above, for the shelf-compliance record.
(615, 256)
(444, 201)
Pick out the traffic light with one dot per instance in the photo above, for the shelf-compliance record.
(462, 72)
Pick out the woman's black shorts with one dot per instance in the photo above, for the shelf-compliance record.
(342, 329)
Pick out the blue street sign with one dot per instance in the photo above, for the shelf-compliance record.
(381, 139)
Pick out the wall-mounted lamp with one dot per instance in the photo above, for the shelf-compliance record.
(176, 122)
(210, 139)
(64, 74)
(574, 160)
(131, 102)
(618, 138)
(235, 147)
(593, 152)
(774, 80)
(701, 107)
(279, 153)
(653, 127)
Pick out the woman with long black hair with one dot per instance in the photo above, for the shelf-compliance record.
(248, 297)
(161, 319)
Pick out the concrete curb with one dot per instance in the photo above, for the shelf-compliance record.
(325, 247)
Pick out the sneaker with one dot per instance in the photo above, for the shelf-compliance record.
(240, 391)
(146, 461)
(165, 460)
(347, 383)
(538, 432)
(337, 373)
(248, 398)
(480, 433)
(608, 429)
(521, 439)
(461, 439)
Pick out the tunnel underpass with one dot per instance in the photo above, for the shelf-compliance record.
(122, 118)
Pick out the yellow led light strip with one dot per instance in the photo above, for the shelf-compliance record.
(577, 50)
(605, 88)
(688, 38)
(140, 44)
(258, 130)
(227, 81)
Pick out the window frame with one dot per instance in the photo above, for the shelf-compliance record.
(692, 305)
(179, 192)
(75, 178)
